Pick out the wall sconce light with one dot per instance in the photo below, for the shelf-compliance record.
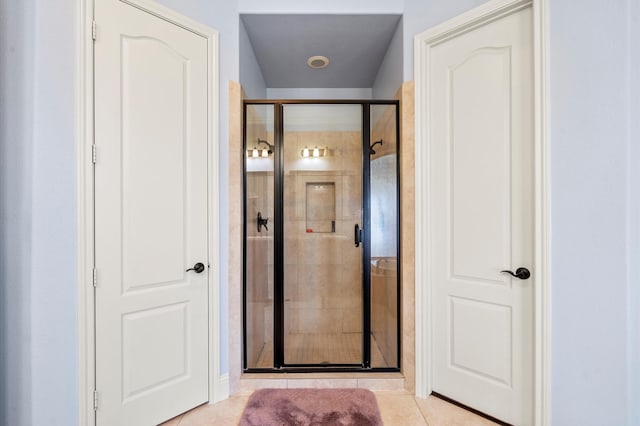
(315, 152)
(264, 152)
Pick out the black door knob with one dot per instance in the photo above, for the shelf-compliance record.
(521, 273)
(198, 267)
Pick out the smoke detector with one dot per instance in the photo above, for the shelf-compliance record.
(318, 61)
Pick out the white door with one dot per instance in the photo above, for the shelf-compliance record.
(150, 216)
(481, 168)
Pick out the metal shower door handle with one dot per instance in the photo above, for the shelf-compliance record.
(357, 235)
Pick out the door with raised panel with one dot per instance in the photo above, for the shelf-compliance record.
(150, 216)
(481, 168)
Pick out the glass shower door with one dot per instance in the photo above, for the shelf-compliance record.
(384, 227)
(259, 236)
(322, 204)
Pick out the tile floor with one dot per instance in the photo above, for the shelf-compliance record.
(397, 408)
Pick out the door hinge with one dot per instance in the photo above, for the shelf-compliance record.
(95, 277)
(94, 156)
(95, 399)
(93, 30)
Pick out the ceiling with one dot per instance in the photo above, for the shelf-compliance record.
(354, 44)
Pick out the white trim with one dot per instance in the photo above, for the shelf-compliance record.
(84, 188)
(422, 45)
(217, 390)
(218, 385)
(222, 389)
(542, 407)
(422, 231)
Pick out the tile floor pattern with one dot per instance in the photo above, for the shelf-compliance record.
(319, 348)
(397, 408)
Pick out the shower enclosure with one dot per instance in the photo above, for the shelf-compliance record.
(321, 231)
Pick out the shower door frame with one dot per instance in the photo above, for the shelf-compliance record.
(278, 239)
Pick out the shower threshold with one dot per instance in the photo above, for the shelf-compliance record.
(323, 349)
(375, 381)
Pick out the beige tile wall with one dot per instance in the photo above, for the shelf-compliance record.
(236, 157)
(407, 232)
(322, 275)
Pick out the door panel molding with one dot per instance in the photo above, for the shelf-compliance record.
(423, 43)
(218, 384)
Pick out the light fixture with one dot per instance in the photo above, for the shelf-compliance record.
(318, 61)
(264, 152)
(314, 153)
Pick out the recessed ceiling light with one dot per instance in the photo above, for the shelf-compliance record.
(318, 61)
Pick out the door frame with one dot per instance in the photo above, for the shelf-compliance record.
(278, 226)
(218, 384)
(423, 43)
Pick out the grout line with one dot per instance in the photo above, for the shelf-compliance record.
(420, 410)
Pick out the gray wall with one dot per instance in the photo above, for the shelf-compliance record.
(53, 257)
(16, 151)
(38, 283)
(318, 93)
(251, 77)
(390, 76)
(589, 143)
(633, 259)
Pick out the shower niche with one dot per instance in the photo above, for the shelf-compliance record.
(320, 206)
(321, 253)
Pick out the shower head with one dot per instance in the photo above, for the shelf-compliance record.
(266, 143)
(373, 151)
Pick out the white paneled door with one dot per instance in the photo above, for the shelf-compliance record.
(482, 196)
(150, 216)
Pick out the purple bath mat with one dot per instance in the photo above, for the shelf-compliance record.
(311, 407)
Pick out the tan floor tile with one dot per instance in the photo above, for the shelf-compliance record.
(399, 408)
(174, 421)
(224, 413)
(249, 385)
(322, 383)
(441, 413)
(381, 384)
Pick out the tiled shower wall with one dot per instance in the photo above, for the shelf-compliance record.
(322, 269)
